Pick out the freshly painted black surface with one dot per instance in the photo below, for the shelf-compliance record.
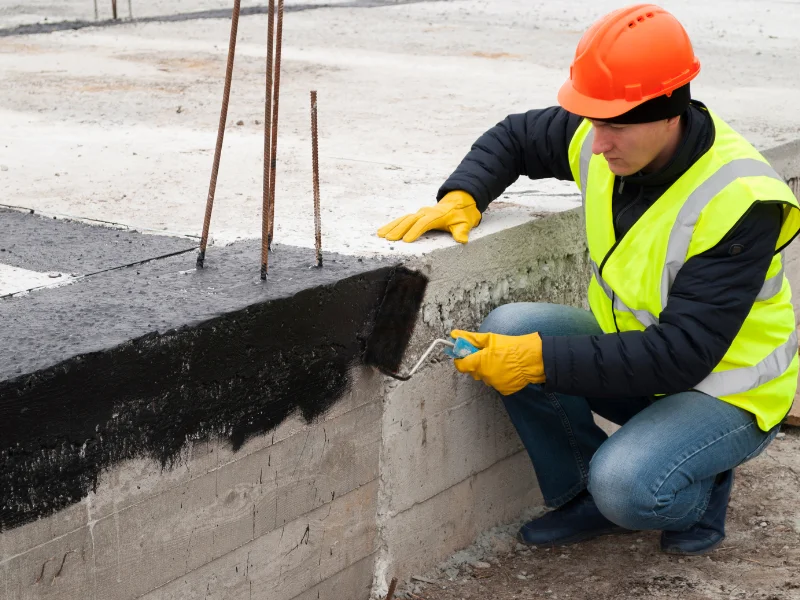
(30, 241)
(395, 320)
(135, 362)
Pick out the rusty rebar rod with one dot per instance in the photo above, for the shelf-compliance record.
(96, 15)
(315, 169)
(392, 588)
(114, 9)
(223, 117)
(130, 9)
(267, 143)
(275, 104)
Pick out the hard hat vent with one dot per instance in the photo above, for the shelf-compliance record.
(640, 19)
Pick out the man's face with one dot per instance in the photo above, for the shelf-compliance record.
(631, 148)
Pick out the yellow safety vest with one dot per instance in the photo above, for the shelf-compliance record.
(632, 276)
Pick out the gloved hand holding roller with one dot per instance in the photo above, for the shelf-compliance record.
(506, 362)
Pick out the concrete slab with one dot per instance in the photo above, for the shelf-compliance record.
(138, 118)
(442, 426)
(62, 568)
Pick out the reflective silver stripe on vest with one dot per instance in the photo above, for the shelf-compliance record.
(681, 235)
(736, 381)
(644, 317)
(773, 285)
(586, 157)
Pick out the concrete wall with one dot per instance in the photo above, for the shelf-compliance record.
(452, 464)
(290, 514)
(786, 160)
(393, 479)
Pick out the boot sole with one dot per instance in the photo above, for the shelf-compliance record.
(677, 552)
(577, 538)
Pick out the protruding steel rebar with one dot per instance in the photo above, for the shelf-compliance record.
(96, 14)
(223, 117)
(315, 168)
(266, 201)
(275, 104)
(114, 9)
(130, 9)
(392, 588)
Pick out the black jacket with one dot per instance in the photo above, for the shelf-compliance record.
(712, 294)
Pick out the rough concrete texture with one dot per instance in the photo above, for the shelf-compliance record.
(786, 161)
(133, 363)
(156, 297)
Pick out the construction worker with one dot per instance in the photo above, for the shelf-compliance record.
(690, 344)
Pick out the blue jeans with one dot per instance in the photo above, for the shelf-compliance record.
(657, 471)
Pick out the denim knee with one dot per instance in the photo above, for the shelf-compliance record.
(504, 320)
(521, 318)
(622, 489)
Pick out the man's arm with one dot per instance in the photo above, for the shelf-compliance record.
(535, 143)
(710, 299)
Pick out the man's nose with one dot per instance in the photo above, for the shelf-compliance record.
(601, 142)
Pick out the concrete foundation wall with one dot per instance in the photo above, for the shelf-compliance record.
(286, 513)
(394, 478)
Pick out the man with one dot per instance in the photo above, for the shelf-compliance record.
(690, 345)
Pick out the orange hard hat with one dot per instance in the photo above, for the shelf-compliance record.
(628, 57)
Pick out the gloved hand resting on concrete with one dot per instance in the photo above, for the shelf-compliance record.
(506, 362)
(456, 213)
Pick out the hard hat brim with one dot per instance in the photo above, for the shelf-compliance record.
(593, 108)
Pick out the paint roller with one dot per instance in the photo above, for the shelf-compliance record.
(394, 324)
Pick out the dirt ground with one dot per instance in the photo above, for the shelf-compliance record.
(760, 558)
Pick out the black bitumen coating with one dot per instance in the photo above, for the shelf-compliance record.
(38, 243)
(136, 362)
(191, 16)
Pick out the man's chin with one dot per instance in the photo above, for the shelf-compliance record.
(619, 168)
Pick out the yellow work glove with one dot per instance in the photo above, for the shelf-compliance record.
(456, 213)
(506, 362)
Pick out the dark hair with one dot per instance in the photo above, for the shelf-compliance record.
(656, 109)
